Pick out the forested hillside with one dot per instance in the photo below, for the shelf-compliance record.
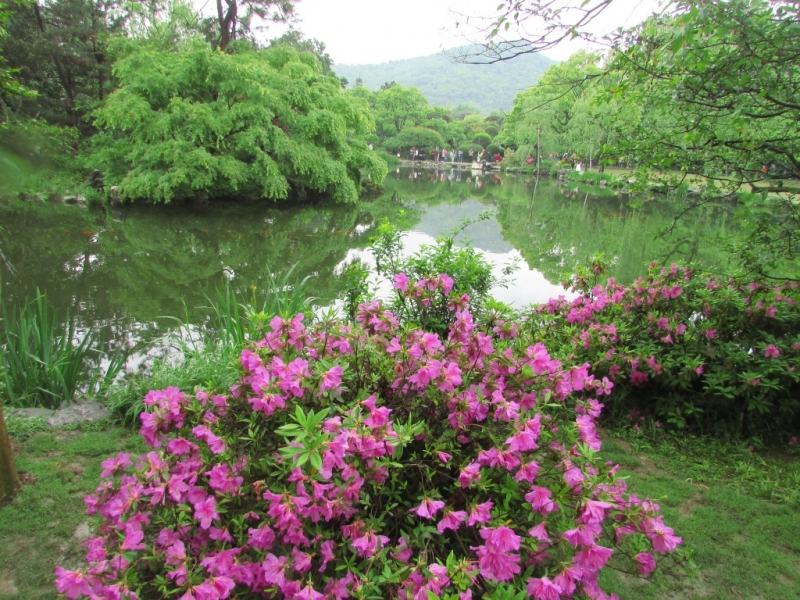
(444, 82)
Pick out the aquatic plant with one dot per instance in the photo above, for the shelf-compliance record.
(43, 360)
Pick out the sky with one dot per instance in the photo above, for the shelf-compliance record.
(375, 31)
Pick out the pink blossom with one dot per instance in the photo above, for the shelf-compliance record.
(401, 282)
(480, 513)
(72, 583)
(772, 351)
(428, 508)
(646, 563)
(206, 511)
(543, 589)
(661, 536)
(451, 520)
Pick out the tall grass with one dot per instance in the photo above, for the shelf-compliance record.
(44, 361)
(212, 361)
(234, 322)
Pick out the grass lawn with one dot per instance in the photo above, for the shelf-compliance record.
(741, 523)
(47, 523)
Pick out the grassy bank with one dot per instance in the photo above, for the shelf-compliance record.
(47, 524)
(741, 528)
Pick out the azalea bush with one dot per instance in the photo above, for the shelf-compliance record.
(420, 295)
(367, 460)
(686, 348)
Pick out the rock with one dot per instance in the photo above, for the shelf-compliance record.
(95, 180)
(74, 200)
(113, 195)
(80, 412)
(30, 413)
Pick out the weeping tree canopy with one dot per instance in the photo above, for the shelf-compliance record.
(244, 123)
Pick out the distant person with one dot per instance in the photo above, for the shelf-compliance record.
(497, 158)
(471, 154)
(529, 160)
(370, 145)
(444, 154)
(460, 156)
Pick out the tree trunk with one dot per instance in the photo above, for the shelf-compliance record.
(9, 480)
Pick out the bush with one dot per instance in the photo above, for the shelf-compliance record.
(427, 308)
(687, 348)
(356, 460)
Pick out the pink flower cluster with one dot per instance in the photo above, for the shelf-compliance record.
(347, 452)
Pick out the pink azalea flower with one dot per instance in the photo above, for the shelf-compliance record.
(309, 593)
(206, 511)
(541, 500)
(401, 282)
(72, 583)
(661, 536)
(543, 589)
(646, 563)
(451, 520)
(428, 508)
(539, 532)
(772, 351)
(481, 513)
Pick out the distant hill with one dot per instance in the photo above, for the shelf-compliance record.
(445, 83)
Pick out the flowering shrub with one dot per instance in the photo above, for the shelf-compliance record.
(425, 303)
(687, 348)
(357, 460)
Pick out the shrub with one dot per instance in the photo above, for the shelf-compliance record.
(356, 460)
(686, 348)
(482, 139)
(429, 306)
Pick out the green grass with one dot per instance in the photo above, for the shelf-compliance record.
(742, 546)
(214, 368)
(46, 524)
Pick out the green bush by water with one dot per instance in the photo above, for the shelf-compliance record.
(43, 362)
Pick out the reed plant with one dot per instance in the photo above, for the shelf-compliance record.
(44, 360)
(234, 322)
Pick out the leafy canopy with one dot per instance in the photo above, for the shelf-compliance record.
(247, 123)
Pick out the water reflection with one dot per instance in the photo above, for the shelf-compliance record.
(126, 271)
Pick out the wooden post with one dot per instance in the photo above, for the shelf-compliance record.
(9, 479)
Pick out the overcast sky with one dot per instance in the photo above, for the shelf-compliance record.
(374, 31)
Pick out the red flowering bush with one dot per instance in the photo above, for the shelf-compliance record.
(686, 348)
(373, 461)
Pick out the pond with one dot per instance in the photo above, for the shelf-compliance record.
(130, 272)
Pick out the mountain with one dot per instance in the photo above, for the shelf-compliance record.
(446, 83)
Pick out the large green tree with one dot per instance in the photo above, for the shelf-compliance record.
(245, 123)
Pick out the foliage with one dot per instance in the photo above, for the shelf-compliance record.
(718, 105)
(299, 480)
(691, 350)
(59, 51)
(45, 361)
(420, 137)
(396, 106)
(429, 306)
(257, 123)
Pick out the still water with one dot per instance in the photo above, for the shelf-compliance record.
(131, 271)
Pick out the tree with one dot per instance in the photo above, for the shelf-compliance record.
(719, 85)
(58, 49)
(298, 41)
(233, 23)
(255, 123)
(9, 479)
(397, 105)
